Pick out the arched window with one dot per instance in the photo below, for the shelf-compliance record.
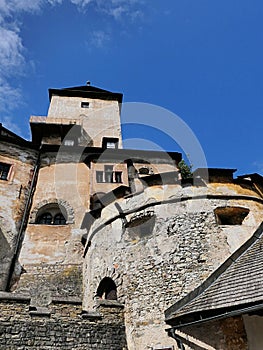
(51, 214)
(45, 219)
(59, 219)
(107, 289)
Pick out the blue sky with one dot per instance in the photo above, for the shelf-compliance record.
(200, 59)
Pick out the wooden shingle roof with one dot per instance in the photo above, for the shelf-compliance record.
(236, 284)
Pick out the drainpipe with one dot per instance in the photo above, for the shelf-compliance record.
(177, 338)
(23, 221)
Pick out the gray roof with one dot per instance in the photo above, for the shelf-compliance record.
(238, 282)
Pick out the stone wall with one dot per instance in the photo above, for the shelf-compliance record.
(13, 196)
(62, 325)
(158, 248)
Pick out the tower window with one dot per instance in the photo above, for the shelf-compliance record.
(110, 142)
(118, 176)
(4, 171)
(84, 104)
(99, 176)
(108, 175)
(108, 170)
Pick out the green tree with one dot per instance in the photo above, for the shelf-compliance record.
(185, 170)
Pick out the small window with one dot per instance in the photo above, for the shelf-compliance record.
(108, 169)
(45, 219)
(69, 142)
(110, 142)
(99, 176)
(107, 289)
(84, 104)
(4, 171)
(59, 220)
(118, 178)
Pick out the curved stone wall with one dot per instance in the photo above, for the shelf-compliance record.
(161, 244)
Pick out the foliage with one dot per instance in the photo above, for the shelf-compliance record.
(185, 170)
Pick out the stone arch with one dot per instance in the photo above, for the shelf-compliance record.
(64, 206)
(107, 288)
(108, 273)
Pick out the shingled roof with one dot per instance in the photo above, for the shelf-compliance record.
(236, 285)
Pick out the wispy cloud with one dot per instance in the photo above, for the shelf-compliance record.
(12, 50)
(99, 38)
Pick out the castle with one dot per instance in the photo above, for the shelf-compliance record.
(109, 248)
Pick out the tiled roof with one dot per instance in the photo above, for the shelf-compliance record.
(237, 282)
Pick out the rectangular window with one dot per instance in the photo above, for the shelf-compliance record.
(108, 169)
(4, 171)
(99, 176)
(84, 104)
(108, 175)
(118, 178)
(69, 142)
(110, 142)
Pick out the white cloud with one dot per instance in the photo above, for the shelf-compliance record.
(12, 61)
(99, 38)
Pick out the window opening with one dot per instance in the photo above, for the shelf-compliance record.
(84, 104)
(108, 175)
(231, 215)
(107, 288)
(108, 169)
(69, 142)
(99, 176)
(59, 219)
(45, 219)
(110, 142)
(118, 176)
(4, 171)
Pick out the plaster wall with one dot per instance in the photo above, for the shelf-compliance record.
(51, 255)
(160, 245)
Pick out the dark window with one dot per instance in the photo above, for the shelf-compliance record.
(118, 176)
(107, 288)
(108, 169)
(84, 104)
(4, 170)
(45, 219)
(110, 142)
(99, 176)
(59, 219)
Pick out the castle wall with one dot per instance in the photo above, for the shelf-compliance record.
(51, 255)
(160, 245)
(13, 196)
(60, 326)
